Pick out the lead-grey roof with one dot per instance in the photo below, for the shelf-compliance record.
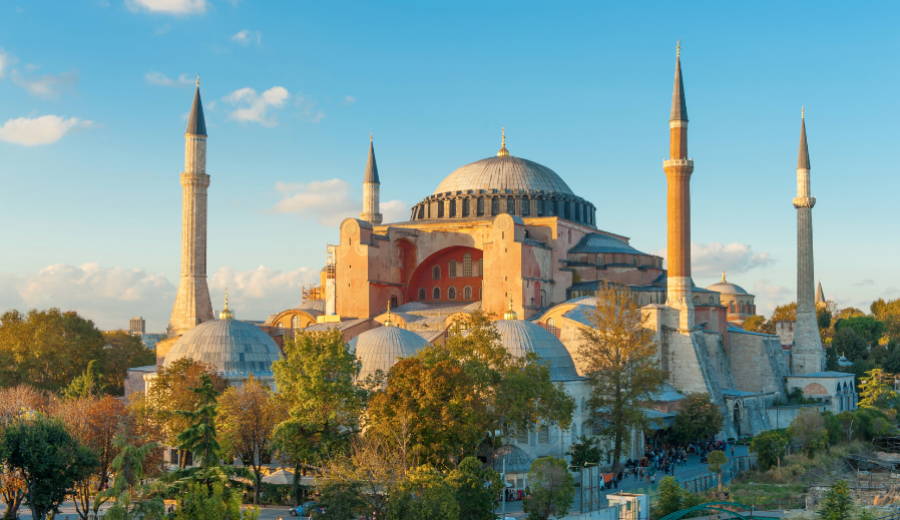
(826, 375)
(517, 461)
(803, 157)
(371, 166)
(228, 345)
(727, 288)
(196, 123)
(504, 173)
(380, 348)
(679, 106)
(520, 337)
(600, 243)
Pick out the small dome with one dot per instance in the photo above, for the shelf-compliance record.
(520, 337)
(726, 287)
(504, 173)
(517, 461)
(228, 345)
(380, 348)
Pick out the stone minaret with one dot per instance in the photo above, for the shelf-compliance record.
(678, 170)
(806, 355)
(371, 189)
(192, 305)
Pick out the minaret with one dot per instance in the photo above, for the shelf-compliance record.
(192, 304)
(820, 296)
(806, 354)
(371, 189)
(678, 170)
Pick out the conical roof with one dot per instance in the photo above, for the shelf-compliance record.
(803, 158)
(820, 295)
(679, 106)
(196, 123)
(371, 166)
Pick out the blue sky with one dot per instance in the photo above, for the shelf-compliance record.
(94, 96)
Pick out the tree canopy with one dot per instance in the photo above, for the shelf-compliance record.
(697, 418)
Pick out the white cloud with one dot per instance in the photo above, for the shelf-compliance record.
(891, 290)
(709, 260)
(349, 100)
(47, 86)
(174, 7)
(7, 61)
(864, 283)
(41, 130)
(256, 105)
(246, 37)
(330, 202)
(770, 295)
(160, 79)
(257, 293)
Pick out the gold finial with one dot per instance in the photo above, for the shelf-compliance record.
(678, 48)
(226, 314)
(802, 112)
(503, 151)
(723, 275)
(370, 137)
(510, 314)
(388, 322)
(198, 80)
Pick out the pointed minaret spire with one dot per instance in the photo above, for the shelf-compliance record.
(820, 295)
(196, 123)
(371, 189)
(803, 157)
(679, 107)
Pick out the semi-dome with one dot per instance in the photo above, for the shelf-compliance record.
(380, 348)
(520, 337)
(726, 287)
(228, 345)
(517, 461)
(504, 173)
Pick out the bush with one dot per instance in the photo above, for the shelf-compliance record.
(769, 448)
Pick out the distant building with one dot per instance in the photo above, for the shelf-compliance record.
(137, 326)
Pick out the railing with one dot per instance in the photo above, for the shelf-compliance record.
(703, 483)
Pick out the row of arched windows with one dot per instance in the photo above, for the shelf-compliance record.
(453, 268)
(527, 207)
(451, 293)
(742, 308)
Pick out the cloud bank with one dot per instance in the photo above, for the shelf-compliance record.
(41, 130)
(256, 107)
(172, 7)
(709, 260)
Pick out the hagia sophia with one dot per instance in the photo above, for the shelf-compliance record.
(508, 236)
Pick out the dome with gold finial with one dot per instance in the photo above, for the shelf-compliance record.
(226, 314)
(381, 348)
(510, 314)
(726, 287)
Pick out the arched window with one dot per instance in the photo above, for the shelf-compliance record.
(731, 308)
(421, 294)
(522, 437)
(495, 206)
(452, 208)
(551, 325)
(436, 293)
(421, 212)
(696, 300)
(465, 207)
(467, 293)
(451, 293)
(551, 207)
(436, 272)
(440, 210)
(477, 271)
(526, 207)
(467, 264)
(295, 322)
(540, 206)
(565, 210)
(480, 206)
(511, 206)
(544, 435)
(543, 298)
(451, 272)
(710, 300)
(741, 307)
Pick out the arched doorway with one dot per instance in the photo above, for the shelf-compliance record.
(737, 419)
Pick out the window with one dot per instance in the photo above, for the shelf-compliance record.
(436, 293)
(551, 325)
(495, 206)
(522, 437)
(421, 294)
(452, 208)
(467, 264)
(566, 210)
(511, 206)
(710, 300)
(451, 293)
(544, 435)
(551, 207)
(526, 207)
(281, 328)
(451, 272)
(731, 308)
(436, 272)
(393, 302)
(295, 322)
(477, 271)
(543, 298)
(467, 293)
(540, 207)
(480, 206)
(696, 300)
(465, 207)
(440, 210)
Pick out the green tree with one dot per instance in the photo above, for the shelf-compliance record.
(49, 459)
(888, 313)
(200, 436)
(123, 351)
(423, 495)
(214, 502)
(866, 327)
(130, 496)
(833, 427)
(316, 380)
(477, 489)
(877, 390)
(671, 497)
(887, 356)
(585, 450)
(552, 489)
(808, 431)
(837, 504)
(769, 448)
(758, 324)
(848, 343)
(342, 501)
(715, 462)
(786, 312)
(622, 360)
(697, 418)
(88, 384)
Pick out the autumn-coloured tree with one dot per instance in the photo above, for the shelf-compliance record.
(877, 390)
(808, 431)
(622, 360)
(123, 351)
(16, 403)
(247, 418)
(888, 312)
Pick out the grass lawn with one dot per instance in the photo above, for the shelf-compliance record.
(751, 493)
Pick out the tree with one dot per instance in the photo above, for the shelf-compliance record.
(769, 448)
(316, 380)
(128, 485)
(423, 495)
(833, 428)
(866, 327)
(477, 489)
(697, 418)
(17, 403)
(88, 384)
(837, 504)
(887, 356)
(49, 459)
(200, 436)
(585, 450)
(671, 497)
(12, 489)
(808, 431)
(758, 324)
(247, 418)
(877, 390)
(715, 462)
(888, 313)
(552, 489)
(46, 349)
(622, 361)
(123, 351)
(214, 502)
(787, 312)
(850, 344)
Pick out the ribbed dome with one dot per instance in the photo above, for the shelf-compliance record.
(517, 461)
(227, 345)
(504, 173)
(380, 348)
(520, 337)
(727, 288)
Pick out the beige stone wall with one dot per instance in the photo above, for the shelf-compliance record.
(758, 361)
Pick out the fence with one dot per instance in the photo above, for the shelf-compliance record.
(703, 483)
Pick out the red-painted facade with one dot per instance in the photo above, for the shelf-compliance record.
(423, 277)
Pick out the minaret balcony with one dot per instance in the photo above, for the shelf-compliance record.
(804, 202)
(678, 162)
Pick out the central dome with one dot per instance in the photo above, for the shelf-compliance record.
(504, 173)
